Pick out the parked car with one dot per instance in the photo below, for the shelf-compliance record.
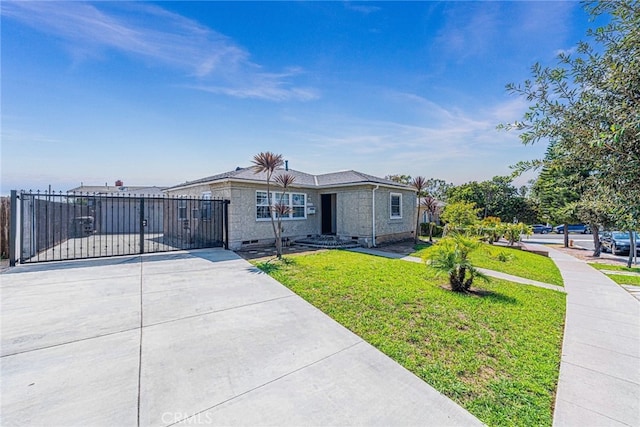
(617, 242)
(541, 229)
(573, 228)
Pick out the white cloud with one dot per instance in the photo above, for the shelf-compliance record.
(268, 86)
(438, 141)
(470, 30)
(153, 34)
(361, 8)
(569, 51)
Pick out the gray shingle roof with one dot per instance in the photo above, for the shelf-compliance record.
(302, 179)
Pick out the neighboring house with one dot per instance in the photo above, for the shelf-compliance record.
(349, 205)
(119, 189)
(121, 213)
(428, 217)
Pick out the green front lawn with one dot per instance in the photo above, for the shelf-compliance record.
(601, 266)
(497, 353)
(512, 261)
(621, 279)
(625, 279)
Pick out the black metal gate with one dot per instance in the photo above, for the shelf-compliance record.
(55, 227)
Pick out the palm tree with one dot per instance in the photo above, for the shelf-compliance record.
(451, 256)
(267, 162)
(282, 209)
(419, 183)
(430, 205)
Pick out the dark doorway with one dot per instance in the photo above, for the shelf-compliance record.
(328, 212)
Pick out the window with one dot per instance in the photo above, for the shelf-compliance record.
(262, 205)
(182, 209)
(297, 203)
(396, 205)
(205, 206)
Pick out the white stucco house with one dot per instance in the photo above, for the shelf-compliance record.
(349, 205)
(120, 213)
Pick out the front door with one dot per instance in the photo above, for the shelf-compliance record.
(328, 213)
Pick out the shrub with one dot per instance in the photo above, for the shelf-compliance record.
(503, 256)
(436, 230)
(451, 256)
(491, 229)
(512, 232)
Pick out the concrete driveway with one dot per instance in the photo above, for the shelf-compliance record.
(198, 337)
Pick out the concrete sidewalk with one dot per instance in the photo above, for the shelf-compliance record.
(198, 337)
(599, 380)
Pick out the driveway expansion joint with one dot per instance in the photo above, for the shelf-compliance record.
(222, 310)
(46, 347)
(270, 382)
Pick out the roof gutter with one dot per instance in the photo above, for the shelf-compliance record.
(373, 215)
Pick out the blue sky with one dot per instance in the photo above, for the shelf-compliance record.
(160, 93)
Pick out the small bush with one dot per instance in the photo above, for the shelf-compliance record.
(424, 229)
(503, 256)
(513, 231)
(450, 256)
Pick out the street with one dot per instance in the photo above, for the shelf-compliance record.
(579, 240)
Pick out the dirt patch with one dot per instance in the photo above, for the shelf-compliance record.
(404, 247)
(587, 255)
(264, 253)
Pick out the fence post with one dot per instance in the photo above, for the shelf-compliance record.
(13, 230)
(141, 225)
(226, 223)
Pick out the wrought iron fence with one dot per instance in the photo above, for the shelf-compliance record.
(57, 226)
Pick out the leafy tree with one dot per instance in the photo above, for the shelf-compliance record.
(496, 197)
(559, 186)
(588, 106)
(437, 188)
(512, 232)
(596, 209)
(490, 229)
(419, 184)
(401, 179)
(459, 215)
(450, 256)
(267, 162)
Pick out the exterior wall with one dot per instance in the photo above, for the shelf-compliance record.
(353, 213)
(354, 219)
(193, 229)
(245, 229)
(388, 229)
(426, 217)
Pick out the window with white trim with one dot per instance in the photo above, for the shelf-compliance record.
(182, 209)
(205, 206)
(297, 203)
(396, 205)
